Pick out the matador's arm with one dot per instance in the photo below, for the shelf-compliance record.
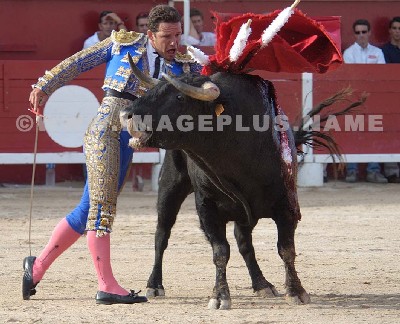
(74, 65)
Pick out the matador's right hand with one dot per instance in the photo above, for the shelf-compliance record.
(37, 99)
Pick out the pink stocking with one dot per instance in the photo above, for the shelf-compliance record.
(100, 250)
(62, 238)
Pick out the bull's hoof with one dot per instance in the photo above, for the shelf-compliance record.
(267, 292)
(225, 304)
(303, 298)
(153, 293)
(219, 304)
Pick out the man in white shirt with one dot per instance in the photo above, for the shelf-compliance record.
(196, 35)
(362, 52)
(108, 21)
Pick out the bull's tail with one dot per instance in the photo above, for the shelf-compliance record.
(309, 132)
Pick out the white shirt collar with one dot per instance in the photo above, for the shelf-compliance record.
(151, 56)
(362, 48)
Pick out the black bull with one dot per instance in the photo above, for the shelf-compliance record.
(236, 175)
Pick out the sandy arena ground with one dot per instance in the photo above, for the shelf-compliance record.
(348, 246)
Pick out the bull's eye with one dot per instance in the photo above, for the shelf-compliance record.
(179, 97)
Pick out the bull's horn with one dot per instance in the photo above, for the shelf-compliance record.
(207, 92)
(148, 81)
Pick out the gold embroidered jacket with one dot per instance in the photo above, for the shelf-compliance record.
(113, 51)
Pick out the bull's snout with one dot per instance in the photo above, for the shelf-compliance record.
(124, 115)
(139, 131)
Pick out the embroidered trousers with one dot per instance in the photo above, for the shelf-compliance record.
(108, 160)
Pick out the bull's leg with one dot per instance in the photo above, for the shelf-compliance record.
(261, 286)
(215, 232)
(295, 293)
(221, 297)
(174, 186)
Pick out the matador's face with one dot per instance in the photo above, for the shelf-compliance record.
(166, 40)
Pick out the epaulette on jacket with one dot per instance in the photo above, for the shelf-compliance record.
(184, 58)
(124, 37)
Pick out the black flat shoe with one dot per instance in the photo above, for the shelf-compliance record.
(109, 299)
(28, 288)
(393, 179)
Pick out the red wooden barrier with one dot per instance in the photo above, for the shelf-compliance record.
(380, 82)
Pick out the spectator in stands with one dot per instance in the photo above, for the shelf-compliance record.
(391, 51)
(142, 21)
(197, 37)
(108, 155)
(108, 21)
(362, 52)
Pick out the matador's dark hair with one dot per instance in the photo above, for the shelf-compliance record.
(162, 13)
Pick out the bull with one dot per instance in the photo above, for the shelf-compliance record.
(239, 175)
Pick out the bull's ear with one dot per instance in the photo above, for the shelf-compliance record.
(148, 81)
